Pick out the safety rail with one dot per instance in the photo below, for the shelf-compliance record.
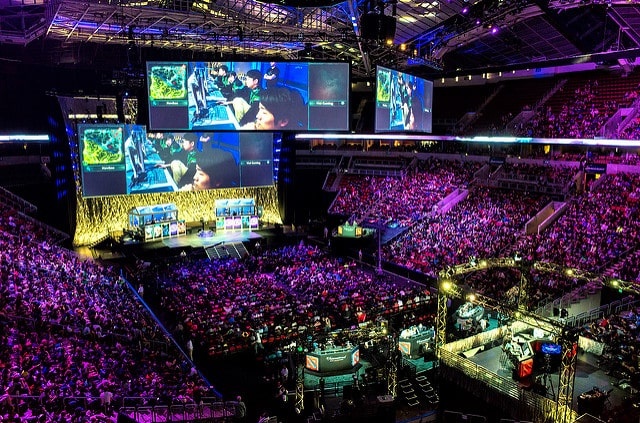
(460, 370)
(192, 412)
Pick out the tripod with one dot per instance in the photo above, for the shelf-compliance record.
(547, 382)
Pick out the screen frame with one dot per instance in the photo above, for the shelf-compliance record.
(253, 153)
(427, 109)
(229, 123)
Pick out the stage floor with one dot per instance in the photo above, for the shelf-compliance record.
(205, 239)
(111, 250)
(588, 375)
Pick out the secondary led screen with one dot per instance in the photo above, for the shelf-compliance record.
(248, 96)
(125, 159)
(403, 102)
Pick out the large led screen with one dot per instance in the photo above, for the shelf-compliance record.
(403, 102)
(125, 159)
(248, 96)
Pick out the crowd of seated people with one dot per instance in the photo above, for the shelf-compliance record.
(75, 341)
(620, 334)
(597, 227)
(276, 297)
(415, 195)
(581, 117)
(402, 200)
(482, 225)
(505, 284)
(629, 269)
(358, 193)
(632, 131)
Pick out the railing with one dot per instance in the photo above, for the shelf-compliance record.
(635, 106)
(375, 172)
(601, 312)
(56, 234)
(181, 412)
(17, 202)
(610, 127)
(505, 391)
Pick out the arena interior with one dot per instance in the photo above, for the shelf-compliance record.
(476, 261)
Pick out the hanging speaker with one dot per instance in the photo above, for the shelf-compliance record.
(375, 26)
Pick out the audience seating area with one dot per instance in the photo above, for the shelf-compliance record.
(280, 296)
(402, 200)
(75, 342)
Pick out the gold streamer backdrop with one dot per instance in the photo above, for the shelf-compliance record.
(98, 217)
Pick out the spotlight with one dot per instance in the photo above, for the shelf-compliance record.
(464, 10)
(494, 30)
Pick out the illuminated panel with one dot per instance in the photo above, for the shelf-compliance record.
(403, 102)
(227, 96)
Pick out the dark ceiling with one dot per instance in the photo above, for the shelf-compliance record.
(432, 38)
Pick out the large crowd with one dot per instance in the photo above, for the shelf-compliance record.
(582, 116)
(75, 342)
(484, 224)
(402, 200)
(275, 298)
(598, 227)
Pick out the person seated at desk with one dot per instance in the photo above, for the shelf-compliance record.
(222, 80)
(279, 108)
(234, 88)
(246, 101)
(513, 349)
(217, 169)
(183, 161)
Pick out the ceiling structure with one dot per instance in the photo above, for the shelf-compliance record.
(431, 37)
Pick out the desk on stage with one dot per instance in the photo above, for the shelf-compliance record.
(333, 360)
(592, 402)
(415, 343)
(467, 314)
(528, 353)
(156, 222)
(217, 116)
(166, 229)
(470, 311)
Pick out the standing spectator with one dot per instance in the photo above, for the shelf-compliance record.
(284, 374)
(272, 75)
(240, 411)
(190, 349)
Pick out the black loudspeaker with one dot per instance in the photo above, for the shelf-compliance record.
(347, 392)
(100, 113)
(120, 108)
(374, 26)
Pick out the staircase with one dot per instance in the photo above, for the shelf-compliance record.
(225, 250)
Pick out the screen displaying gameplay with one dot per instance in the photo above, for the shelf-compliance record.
(403, 102)
(126, 159)
(248, 96)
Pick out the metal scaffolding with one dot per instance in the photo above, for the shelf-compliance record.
(564, 335)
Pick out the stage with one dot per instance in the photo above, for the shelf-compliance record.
(588, 375)
(114, 247)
